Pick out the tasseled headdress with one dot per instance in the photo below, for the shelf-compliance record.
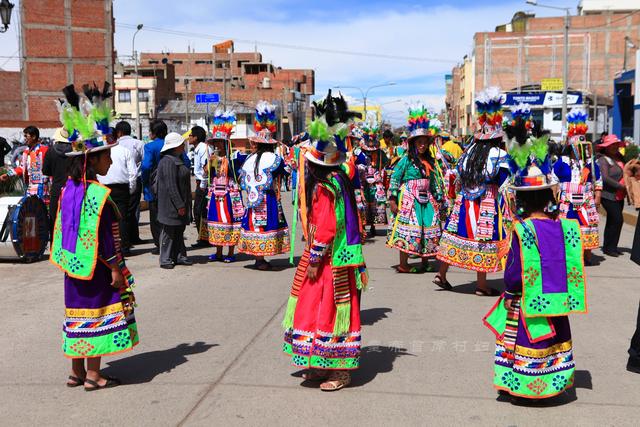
(489, 107)
(577, 124)
(265, 123)
(222, 124)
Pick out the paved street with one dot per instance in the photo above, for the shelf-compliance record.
(211, 339)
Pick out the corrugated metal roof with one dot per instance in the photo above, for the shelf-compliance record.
(178, 108)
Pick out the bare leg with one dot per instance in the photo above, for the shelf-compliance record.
(219, 252)
(587, 254)
(404, 261)
(231, 250)
(93, 370)
(482, 281)
(442, 271)
(77, 370)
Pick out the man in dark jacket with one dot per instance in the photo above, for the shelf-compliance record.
(55, 165)
(174, 201)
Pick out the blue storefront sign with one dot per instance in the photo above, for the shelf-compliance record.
(546, 99)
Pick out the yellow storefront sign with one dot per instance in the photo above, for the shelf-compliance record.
(551, 84)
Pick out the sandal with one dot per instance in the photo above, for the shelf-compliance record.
(111, 382)
(488, 293)
(442, 284)
(412, 270)
(76, 381)
(336, 381)
(229, 259)
(214, 258)
(315, 375)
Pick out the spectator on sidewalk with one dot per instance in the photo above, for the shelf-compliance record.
(136, 147)
(201, 155)
(56, 165)
(613, 192)
(174, 201)
(5, 149)
(121, 179)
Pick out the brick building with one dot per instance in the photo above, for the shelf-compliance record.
(527, 50)
(241, 79)
(62, 42)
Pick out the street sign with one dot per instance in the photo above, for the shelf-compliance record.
(207, 98)
(551, 84)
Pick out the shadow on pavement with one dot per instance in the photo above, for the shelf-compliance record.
(470, 288)
(144, 367)
(376, 360)
(371, 316)
(279, 264)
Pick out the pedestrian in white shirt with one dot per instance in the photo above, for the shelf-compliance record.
(121, 179)
(201, 156)
(136, 147)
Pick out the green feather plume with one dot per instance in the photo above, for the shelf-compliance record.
(319, 130)
(520, 154)
(540, 147)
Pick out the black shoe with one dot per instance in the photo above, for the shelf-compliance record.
(126, 252)
(137, 241)
(611, 254)
(619, 252)
(633, 367)
(155, 251)
(168, 266)
(184, 262)
(201, 244)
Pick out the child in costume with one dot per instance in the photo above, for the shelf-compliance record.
(580, 182)
(99, 302)
(371, 161)
(226, 208)
(544, 283)
(474, 238)
(414, 195)
(322, 321)
(264, 227)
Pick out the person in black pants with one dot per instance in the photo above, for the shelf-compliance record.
(613, 193)
(200, 161)
(174, 202)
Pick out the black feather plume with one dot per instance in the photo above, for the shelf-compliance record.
(72, 97)
(517, 131)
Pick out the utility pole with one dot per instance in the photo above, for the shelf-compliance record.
(135, 70)
(224, 89)
(565, 73)
(186, 84)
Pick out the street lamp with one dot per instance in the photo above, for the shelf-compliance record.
(565, 62)
(5, 14)
(134, 54)
(365, 93)
(627, 44)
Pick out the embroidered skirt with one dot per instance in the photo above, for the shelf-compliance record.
(416, 227)
(264, 229)
(578, 202)
(311, 342)
(95, 322)
(475, 237)
(534, 370)
(223, 229)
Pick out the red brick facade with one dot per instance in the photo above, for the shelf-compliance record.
(64, 41)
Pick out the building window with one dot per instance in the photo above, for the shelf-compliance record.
(204, 62)
(124, 96)
(557, 114)
(153, 61)
(143, 95)
(177, 62)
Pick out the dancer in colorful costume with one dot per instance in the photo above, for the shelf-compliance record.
(226, 210)
(474, 237)
(264, 227)
(544, 283)
(322, 321)
(97, 284)
(371, 161)
(580, 182)
(415, 196)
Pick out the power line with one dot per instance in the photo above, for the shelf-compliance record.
(290, 46)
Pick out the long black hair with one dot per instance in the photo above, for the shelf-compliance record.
(475, 162)
(76, 166)
(414, 156)
(321, 175)
(528, 202)
(262, 148)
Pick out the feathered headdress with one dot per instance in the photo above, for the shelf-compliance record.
(328, 132)
(577, 124)
(265, 123)
(222, 124)
(522, 112)
(489, 107)
(530, 160)
(86, 121)
(421, 122)
(369, 140)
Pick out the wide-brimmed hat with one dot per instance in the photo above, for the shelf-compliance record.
(532, 164)
(609, 140)
(172, 140)
(61, 135)
(264, 124)
(489, 107)
(329, 131)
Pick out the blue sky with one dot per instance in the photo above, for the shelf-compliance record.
(438, 34)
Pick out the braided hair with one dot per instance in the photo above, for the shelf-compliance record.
(321, 175)
(474, 173)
